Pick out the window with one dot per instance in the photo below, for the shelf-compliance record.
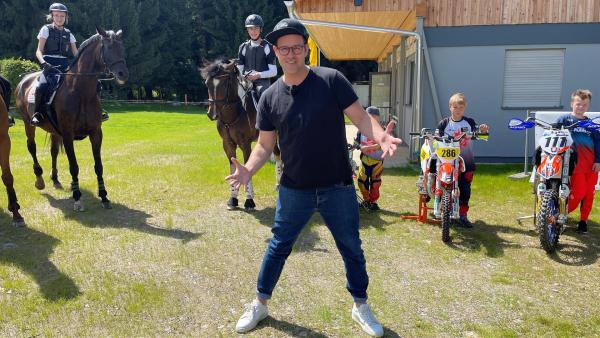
(533, 78)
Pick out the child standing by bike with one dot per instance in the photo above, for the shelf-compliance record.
(369, 173)
(587, 147)
(453, 126)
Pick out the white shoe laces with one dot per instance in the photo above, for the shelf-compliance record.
(251, 310)
(367, 316)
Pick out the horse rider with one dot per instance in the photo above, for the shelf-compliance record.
(55, 42)
(256, 59)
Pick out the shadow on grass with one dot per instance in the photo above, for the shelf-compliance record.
(486, 236)
(294, 330)
(30, 251)
(582, 249)
(120, 216)
(375, 218)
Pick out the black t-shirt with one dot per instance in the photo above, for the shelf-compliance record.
(310, 121)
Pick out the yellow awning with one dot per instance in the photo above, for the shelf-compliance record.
(346, 44)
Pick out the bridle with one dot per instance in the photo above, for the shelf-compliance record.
(107, 66)
(227, 101)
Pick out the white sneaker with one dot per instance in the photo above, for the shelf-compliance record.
(255, 312)
(363, 316)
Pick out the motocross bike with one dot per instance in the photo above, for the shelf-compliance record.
(554, 164)
(441, 165)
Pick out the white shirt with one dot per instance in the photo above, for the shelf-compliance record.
(44, 33)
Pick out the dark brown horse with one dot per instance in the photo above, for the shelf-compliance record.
(235, 115)
(76, 108)
(7, 177)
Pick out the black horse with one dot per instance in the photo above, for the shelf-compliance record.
(76, 108)
(235, 115)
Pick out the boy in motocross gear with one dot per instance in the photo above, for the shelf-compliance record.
(369, 173)
(454, 126)
(256, 59)
(586, 144)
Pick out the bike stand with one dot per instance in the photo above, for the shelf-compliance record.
(520, 219)
(422, 218)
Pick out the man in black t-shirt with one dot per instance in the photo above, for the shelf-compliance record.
(306, 108)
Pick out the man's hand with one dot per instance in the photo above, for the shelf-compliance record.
(596, 167)
(389, 143)
(253, 76)
(241, 175)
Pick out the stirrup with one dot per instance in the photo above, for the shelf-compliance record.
(36, 120)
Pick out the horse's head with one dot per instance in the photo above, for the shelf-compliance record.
(221, 79)
(113, 54)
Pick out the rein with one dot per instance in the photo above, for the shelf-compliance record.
(106, 70)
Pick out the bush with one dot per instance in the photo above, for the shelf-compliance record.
(14, 69)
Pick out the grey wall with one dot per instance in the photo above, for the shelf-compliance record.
(478, 71)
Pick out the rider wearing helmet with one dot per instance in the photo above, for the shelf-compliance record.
(256, 59)
(55, 44)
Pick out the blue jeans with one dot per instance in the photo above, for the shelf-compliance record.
(338, 206)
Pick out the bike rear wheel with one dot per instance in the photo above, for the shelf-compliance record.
(446, 207)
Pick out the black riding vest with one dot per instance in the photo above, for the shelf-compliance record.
(255, 58)
(58, 41)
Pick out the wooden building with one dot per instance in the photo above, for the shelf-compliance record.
(507, 56)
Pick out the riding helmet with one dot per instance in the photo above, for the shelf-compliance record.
(58, 7)
(254, 20)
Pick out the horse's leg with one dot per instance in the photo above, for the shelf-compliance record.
(37, 168)
(249, 203)
(229, 147)
(96, 141)
(74, 170)
(54, 148)
(7, 177)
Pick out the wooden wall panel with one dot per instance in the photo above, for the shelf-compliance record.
(328, 6)
(497, 12)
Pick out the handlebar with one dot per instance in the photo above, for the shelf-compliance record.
(427, 133)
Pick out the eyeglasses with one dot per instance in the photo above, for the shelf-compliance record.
(296, 50)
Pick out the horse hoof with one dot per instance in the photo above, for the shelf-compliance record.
(106, 205)
(232, 204)
(78, 206)
(18, 223)
(249, 204)
(39, 183)
(58, 185)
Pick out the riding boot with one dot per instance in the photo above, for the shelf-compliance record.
(11, 121)
(40, 105)
(99, 88)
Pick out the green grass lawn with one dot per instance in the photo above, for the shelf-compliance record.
(169, 259)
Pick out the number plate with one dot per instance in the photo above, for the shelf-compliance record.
(448, 153)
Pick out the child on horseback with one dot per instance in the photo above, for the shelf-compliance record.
(453, 126)
(55, 43)
(369, 173)
(256, 59)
